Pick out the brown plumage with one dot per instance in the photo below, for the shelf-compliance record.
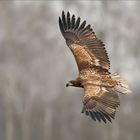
(100, 87)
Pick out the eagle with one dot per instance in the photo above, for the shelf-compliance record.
(101, 88)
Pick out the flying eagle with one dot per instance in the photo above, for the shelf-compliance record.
(101, 88)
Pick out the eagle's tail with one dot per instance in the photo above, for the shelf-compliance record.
(122, 86)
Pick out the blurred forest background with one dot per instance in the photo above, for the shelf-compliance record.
(35, 65)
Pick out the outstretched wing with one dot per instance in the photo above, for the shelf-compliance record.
(100, 103)
(87, 49)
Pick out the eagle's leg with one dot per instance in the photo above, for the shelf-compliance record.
(75, 83)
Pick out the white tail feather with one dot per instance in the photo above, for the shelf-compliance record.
(122, 86)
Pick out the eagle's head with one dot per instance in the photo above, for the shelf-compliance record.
(70, 83)
(74, 83)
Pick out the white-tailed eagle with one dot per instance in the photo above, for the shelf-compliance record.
(101, 88)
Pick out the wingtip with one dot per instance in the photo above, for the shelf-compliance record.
(92, 116)
(63, 12)
(77, 23)
(73, 16)
(68, 13)
(100, 117)
(107, 117)
(59, 18)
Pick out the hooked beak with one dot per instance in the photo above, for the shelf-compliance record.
(67, 84)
